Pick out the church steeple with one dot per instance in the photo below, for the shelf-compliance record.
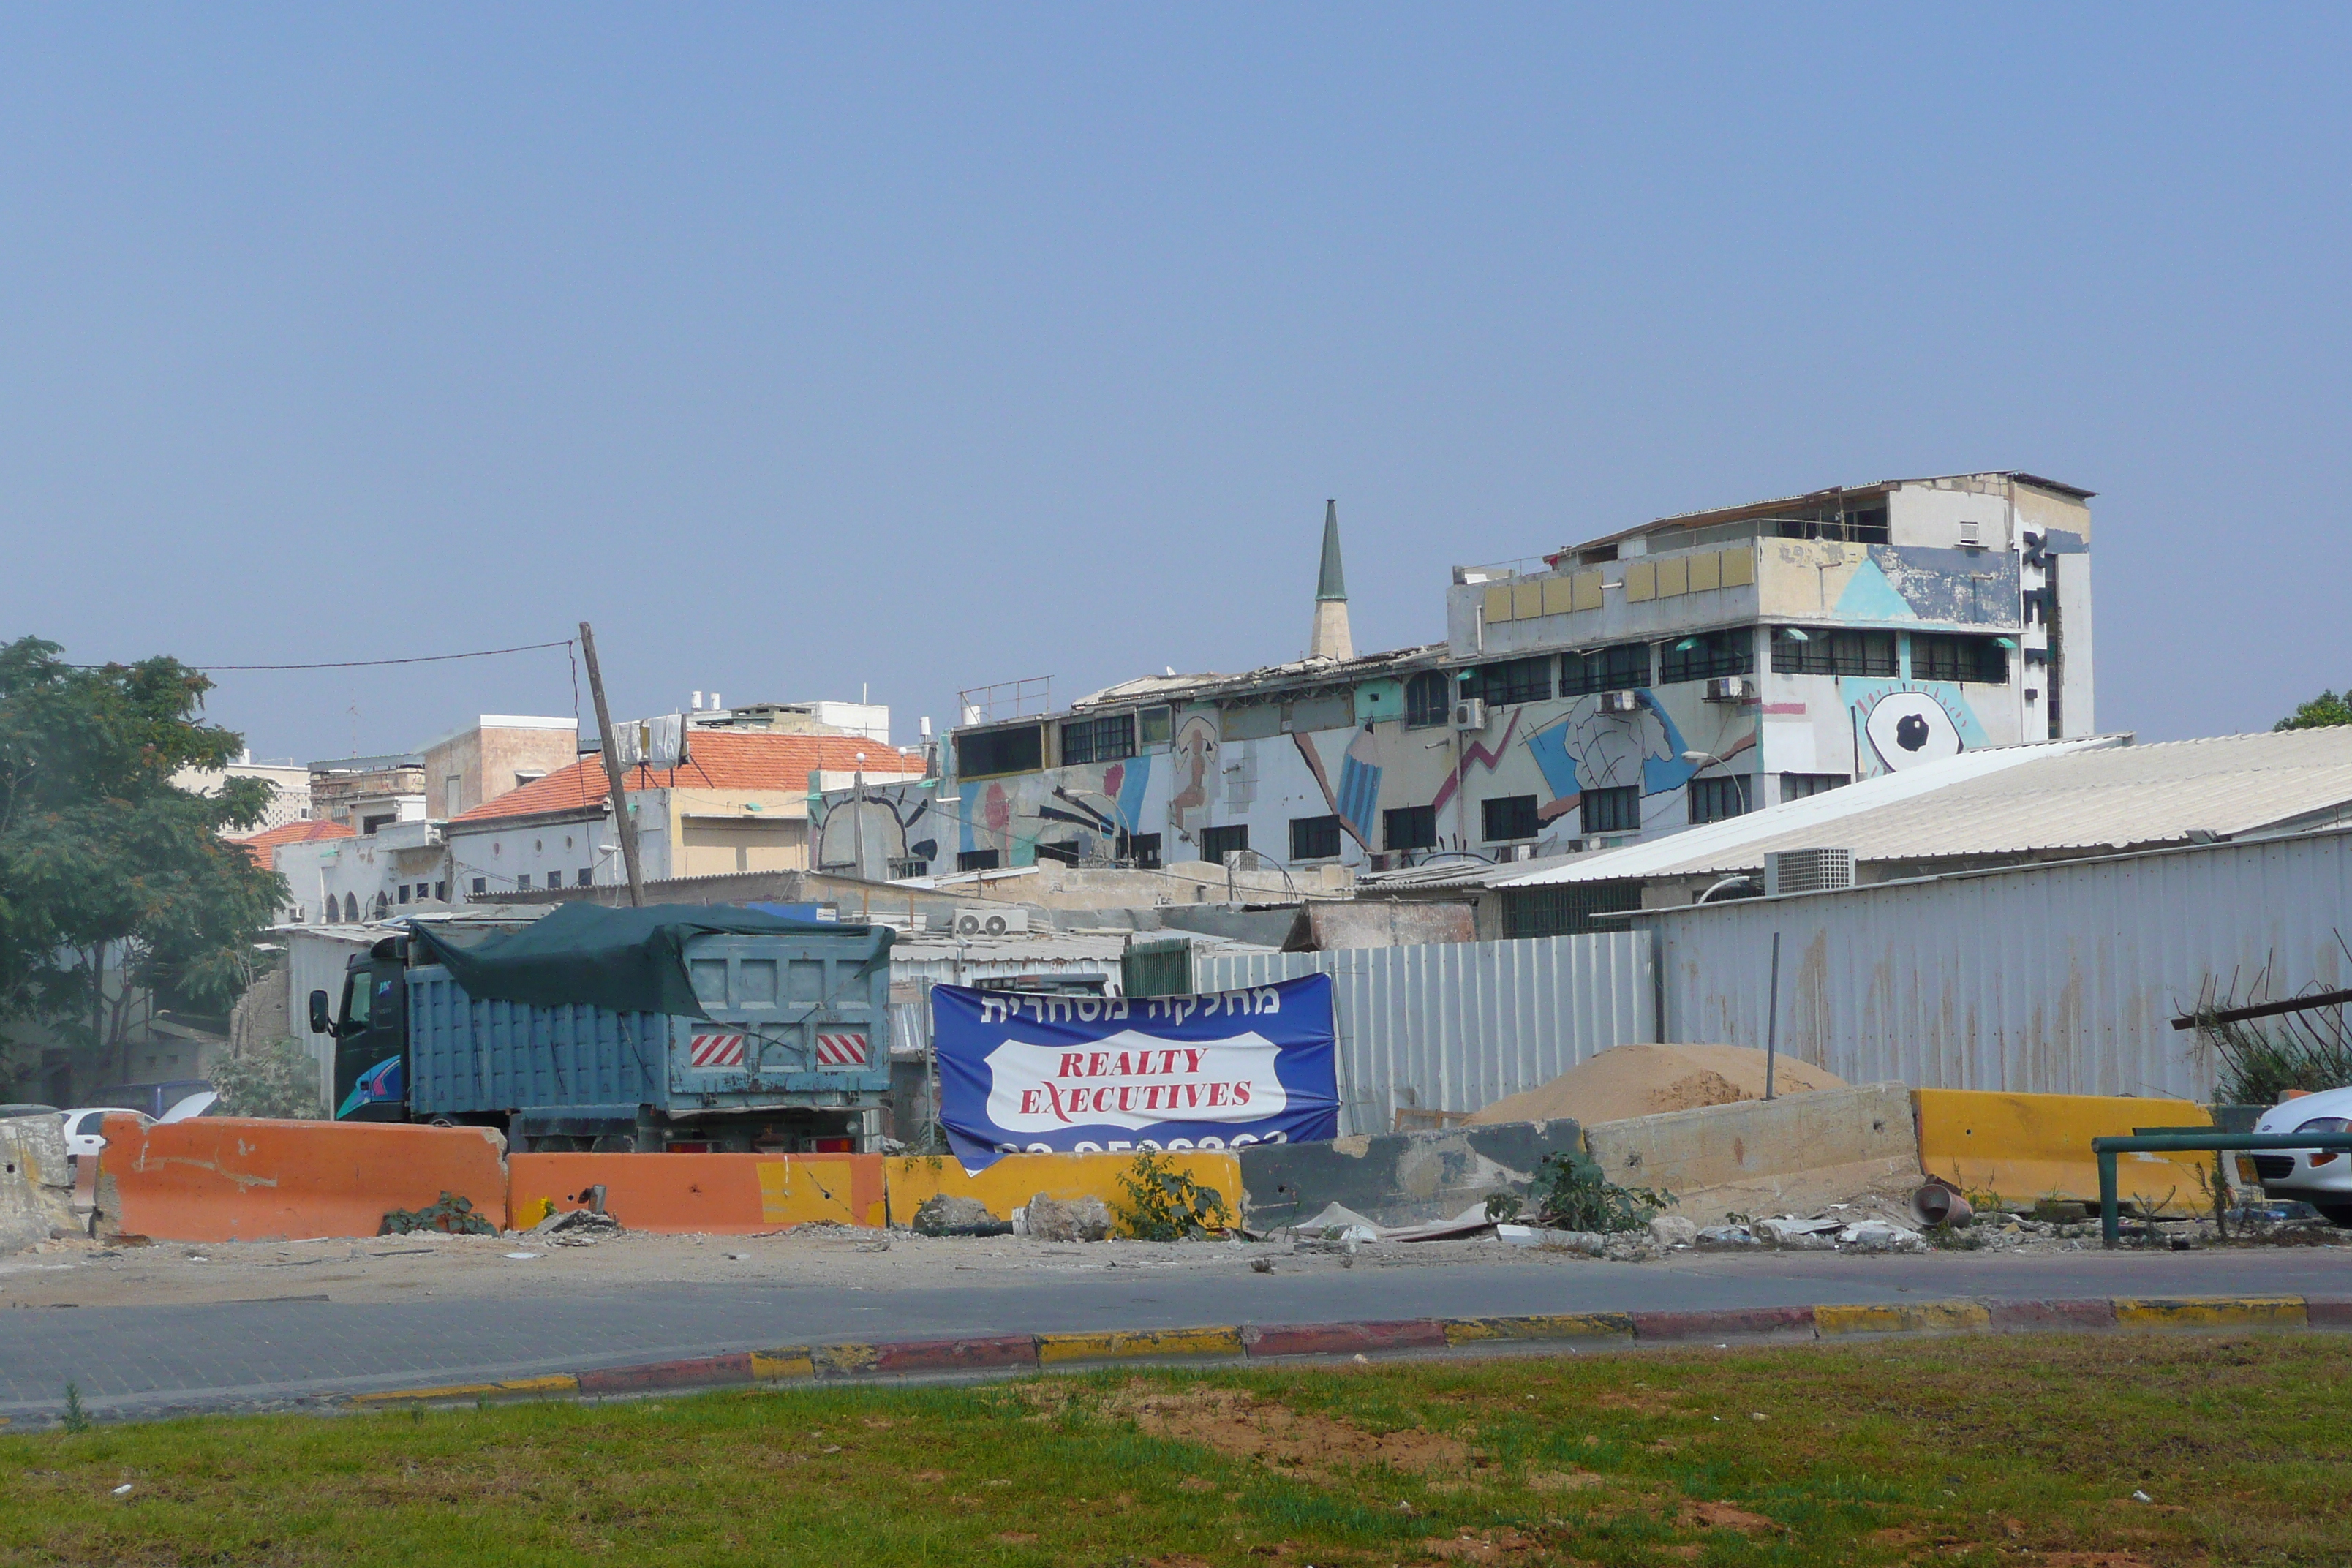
(1331, 638)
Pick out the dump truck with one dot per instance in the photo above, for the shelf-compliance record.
(689, 1029)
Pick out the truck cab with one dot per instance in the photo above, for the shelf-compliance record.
(370, 1026)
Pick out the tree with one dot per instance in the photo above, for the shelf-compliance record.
(107, 867)
(2326, 710)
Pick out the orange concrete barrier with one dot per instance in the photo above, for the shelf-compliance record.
(1012, 1180)
(231, 1179)
(718, 1194)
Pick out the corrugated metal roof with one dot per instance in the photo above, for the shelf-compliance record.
(2079, 796)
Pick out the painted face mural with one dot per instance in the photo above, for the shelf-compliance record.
(1588, 749)
(1903, 724)
(1194, 758)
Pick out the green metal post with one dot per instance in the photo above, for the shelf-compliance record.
(2111, 1230)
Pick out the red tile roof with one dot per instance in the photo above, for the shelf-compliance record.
(262, 845)
(754, 760)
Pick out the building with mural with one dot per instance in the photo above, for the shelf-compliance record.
(1691, 668)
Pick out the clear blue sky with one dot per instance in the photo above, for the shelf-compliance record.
(799, 349)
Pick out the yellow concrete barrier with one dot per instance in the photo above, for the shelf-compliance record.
(2029, 1146)
(1552, 1326)
(562, 1383)
(1014, 1180)
(1908, 1318)
(772, 1366)
(2214, 1312)
(1119, 1344)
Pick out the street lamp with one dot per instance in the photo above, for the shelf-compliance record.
(1700, 760)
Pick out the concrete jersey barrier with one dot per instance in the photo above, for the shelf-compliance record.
(1398, 1178)
(2029, 1146)
(1012, 1180)
(36, 1186)
(1767, 1148)
(234, 1179)
(718, 1194)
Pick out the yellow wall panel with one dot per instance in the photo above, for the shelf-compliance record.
(1498, 602)
(1586, 591)
(1641, 581)
(1674, 576)
(1706, 572)
(1527, 600)
(2029, 1146)
(1738, 568)
(1556, 600)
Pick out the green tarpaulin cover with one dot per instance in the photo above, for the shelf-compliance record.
(630, 961)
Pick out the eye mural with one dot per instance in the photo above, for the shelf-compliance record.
(1900, 724)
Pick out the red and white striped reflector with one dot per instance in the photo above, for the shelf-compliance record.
(716, 1050)
(841, 1050)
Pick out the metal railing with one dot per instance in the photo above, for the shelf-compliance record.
(2106, 1149)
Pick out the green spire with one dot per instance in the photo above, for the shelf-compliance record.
(1332, 582)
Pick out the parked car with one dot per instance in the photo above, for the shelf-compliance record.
(84, 1124)
(2322, 1179)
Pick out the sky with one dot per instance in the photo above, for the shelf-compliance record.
(813, 350)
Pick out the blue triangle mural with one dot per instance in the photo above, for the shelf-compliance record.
(1869, 597)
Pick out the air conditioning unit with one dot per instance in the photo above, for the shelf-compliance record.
(1730, 688)
(1971, 536)
(1470, 714)
(991, 919)
(1385, 860)
(1619, 702)
(1807, 871)
(1519, 852)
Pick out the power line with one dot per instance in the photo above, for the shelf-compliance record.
(359, 663)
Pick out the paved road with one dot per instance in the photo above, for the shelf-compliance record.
(150, 1360)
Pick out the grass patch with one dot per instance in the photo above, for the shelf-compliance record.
(2009, 1449)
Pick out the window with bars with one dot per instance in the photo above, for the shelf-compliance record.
(1409, 828)
(1428, 700)
(1314, 837)
(976, 861)
(1704, 655)
(1103, 739)
(1620, 669)
(1216, 843)
(1143, 848)
(1976, 660)
(1803, 786)
(1509, 817)
(1512, 681)
(1617, 810)
(1824, 651)
(1712, 800)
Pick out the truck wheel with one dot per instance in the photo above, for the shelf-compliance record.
(2336, 1214)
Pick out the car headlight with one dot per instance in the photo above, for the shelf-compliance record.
(2326, 1124)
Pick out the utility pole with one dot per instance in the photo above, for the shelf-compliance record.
(622, 824)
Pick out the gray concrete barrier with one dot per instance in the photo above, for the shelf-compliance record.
(1397, 1178)
(36, 1185)
(1824, 1146)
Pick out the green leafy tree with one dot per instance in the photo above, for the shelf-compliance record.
(115, 885)
(277, 1077)
(2322, 712)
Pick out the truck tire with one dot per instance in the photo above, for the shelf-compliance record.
(2336, 1214)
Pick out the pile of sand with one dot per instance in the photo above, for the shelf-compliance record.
(1642, 1081)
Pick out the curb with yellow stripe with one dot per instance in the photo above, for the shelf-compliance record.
(1005, 1354)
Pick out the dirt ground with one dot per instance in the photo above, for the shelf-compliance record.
(404, 1268)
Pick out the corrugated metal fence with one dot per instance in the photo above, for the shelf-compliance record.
(2054, 979)
(1457, 1026)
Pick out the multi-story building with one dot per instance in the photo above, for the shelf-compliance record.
(496, 753)
(1691, 669)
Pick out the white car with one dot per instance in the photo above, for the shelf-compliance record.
(84, 1133)
(2321, 1178)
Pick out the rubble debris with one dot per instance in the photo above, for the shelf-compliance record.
(448, 1215)
(575, 1227)
(1590, 1242)
(943, 1214)
(1725, 1237)
(1072, 1219)
(1796, 1235)
(1881, 1235)
(1674, 1230)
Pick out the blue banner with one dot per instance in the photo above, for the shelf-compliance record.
(1022, 1073)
